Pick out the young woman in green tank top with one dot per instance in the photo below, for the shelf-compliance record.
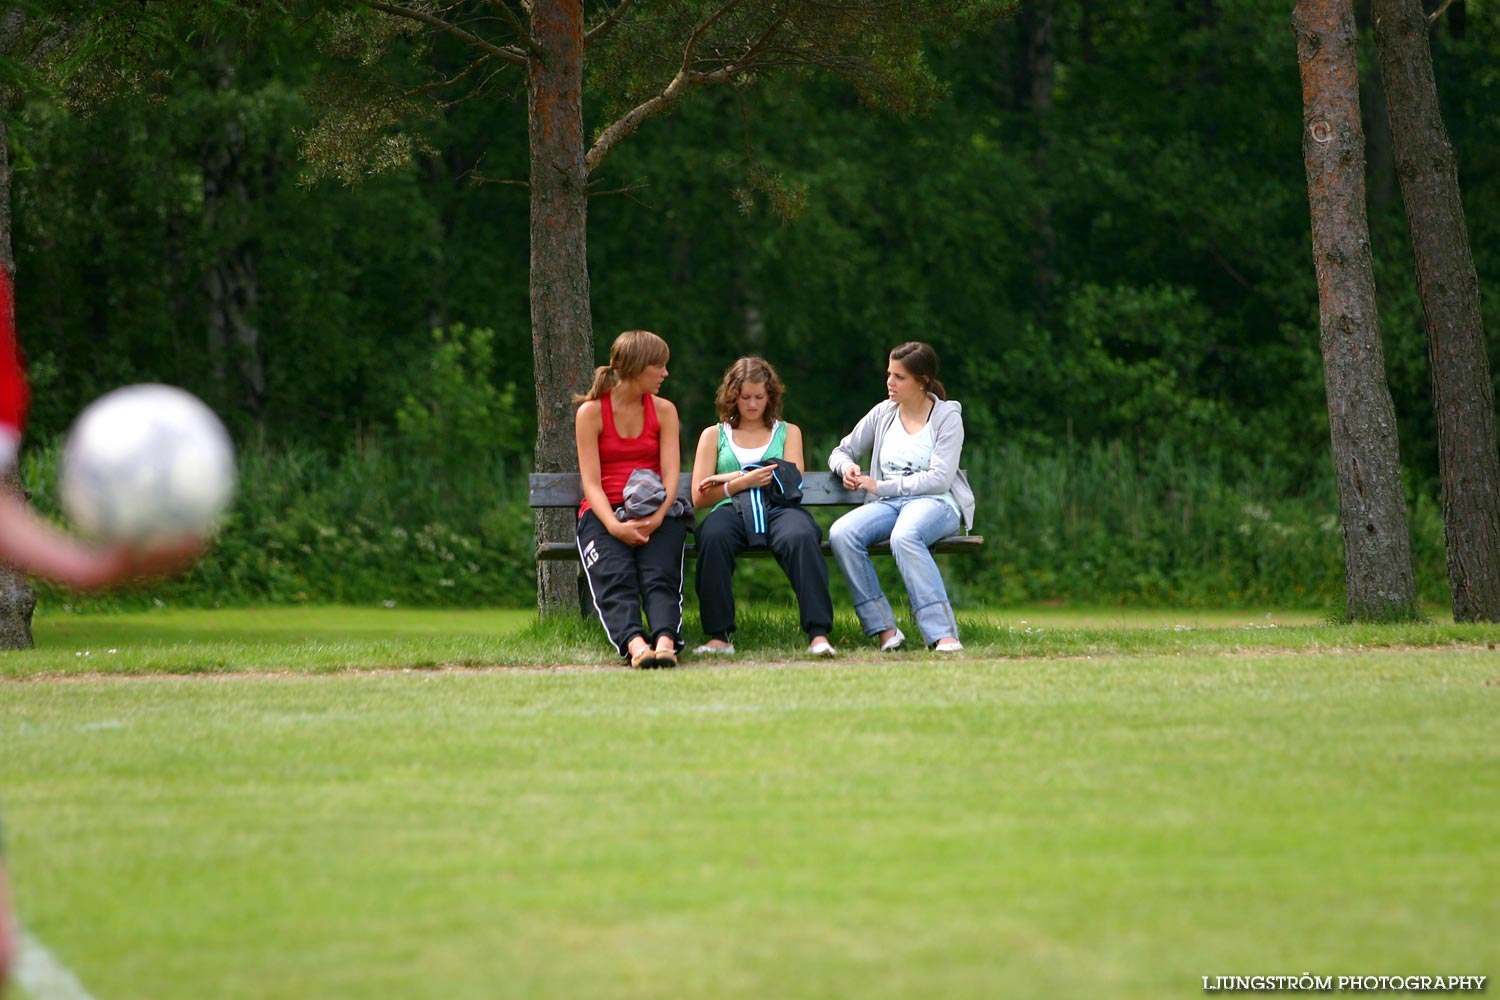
(750, 430)
(728, 465)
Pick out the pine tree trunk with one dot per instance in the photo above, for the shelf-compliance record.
(1362, 419)
(562, 337)
(1462, 393)
(1380, 156)
(1038, 21)
(232, 281)
(17, 600)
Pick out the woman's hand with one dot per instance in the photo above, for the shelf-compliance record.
(715, 480)
(866, 483)
(634, 532)
(851, 477)
(648, 525)
(28, 542)
(756, 479)
(753, 479)
(161, 559)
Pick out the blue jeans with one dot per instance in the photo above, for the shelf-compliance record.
(912, 524)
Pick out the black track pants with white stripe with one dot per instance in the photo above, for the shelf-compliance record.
(623, 580)
(793, 536)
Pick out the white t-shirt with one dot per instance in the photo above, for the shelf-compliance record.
(902, 454)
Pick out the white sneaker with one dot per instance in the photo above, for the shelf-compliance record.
(821, 648)
(949, 646)
(715, 650)
(894, 642)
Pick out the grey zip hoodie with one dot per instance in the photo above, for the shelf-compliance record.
(947, 422)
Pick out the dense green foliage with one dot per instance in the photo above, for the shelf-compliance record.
(1097, 524)
(1125, 273)
(371, 527)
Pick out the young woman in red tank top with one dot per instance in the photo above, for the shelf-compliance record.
(623, 425)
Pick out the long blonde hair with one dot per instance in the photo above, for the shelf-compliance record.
(632, 353)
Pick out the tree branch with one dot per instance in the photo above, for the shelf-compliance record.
(1433, 17)
(475, 177)
(49, 45)
(443, 83)
(532, 45)
(686, 78)
(627, 189)
(632, 120)
(752, 54)
(605, 26)
(11, 26)
(509, 55)
(692, 42)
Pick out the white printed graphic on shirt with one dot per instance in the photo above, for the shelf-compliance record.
(902, 454)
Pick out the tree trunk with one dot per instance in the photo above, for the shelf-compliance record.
(1038, 21)
(17, 599)
(1086, 46)
(1380, 156)
(562, 336)
(231, 281)
(1361, 417)
(1462, 393)
(1210, 73)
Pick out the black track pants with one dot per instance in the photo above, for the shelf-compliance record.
(622, 579)
(793, 537)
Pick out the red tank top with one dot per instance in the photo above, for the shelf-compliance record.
(12, 375)
(620, 456)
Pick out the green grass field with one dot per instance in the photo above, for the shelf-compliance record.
(1086, 804)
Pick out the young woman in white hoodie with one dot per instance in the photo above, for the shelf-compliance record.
(915, 495)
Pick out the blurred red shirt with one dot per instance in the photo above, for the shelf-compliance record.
(13, 391)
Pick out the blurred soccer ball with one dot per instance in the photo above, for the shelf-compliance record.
(147, 464)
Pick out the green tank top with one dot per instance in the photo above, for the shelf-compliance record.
(729, 461)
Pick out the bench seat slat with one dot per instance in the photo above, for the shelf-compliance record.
(819, 489)
(553, 551)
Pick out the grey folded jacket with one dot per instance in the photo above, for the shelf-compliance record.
(644, 493)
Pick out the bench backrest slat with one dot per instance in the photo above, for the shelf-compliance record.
(563, 489)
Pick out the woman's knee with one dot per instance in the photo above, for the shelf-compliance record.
(717, 547)
(906, 541)
(797, 532)
(717, 532)
(843, 537)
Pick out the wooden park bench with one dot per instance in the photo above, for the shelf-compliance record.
(819, 489)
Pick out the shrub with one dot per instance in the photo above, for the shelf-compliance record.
(1088, 524)
(371, 525)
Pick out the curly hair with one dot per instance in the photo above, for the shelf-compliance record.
(758, 371)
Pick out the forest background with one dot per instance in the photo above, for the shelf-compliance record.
(1103, 230)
